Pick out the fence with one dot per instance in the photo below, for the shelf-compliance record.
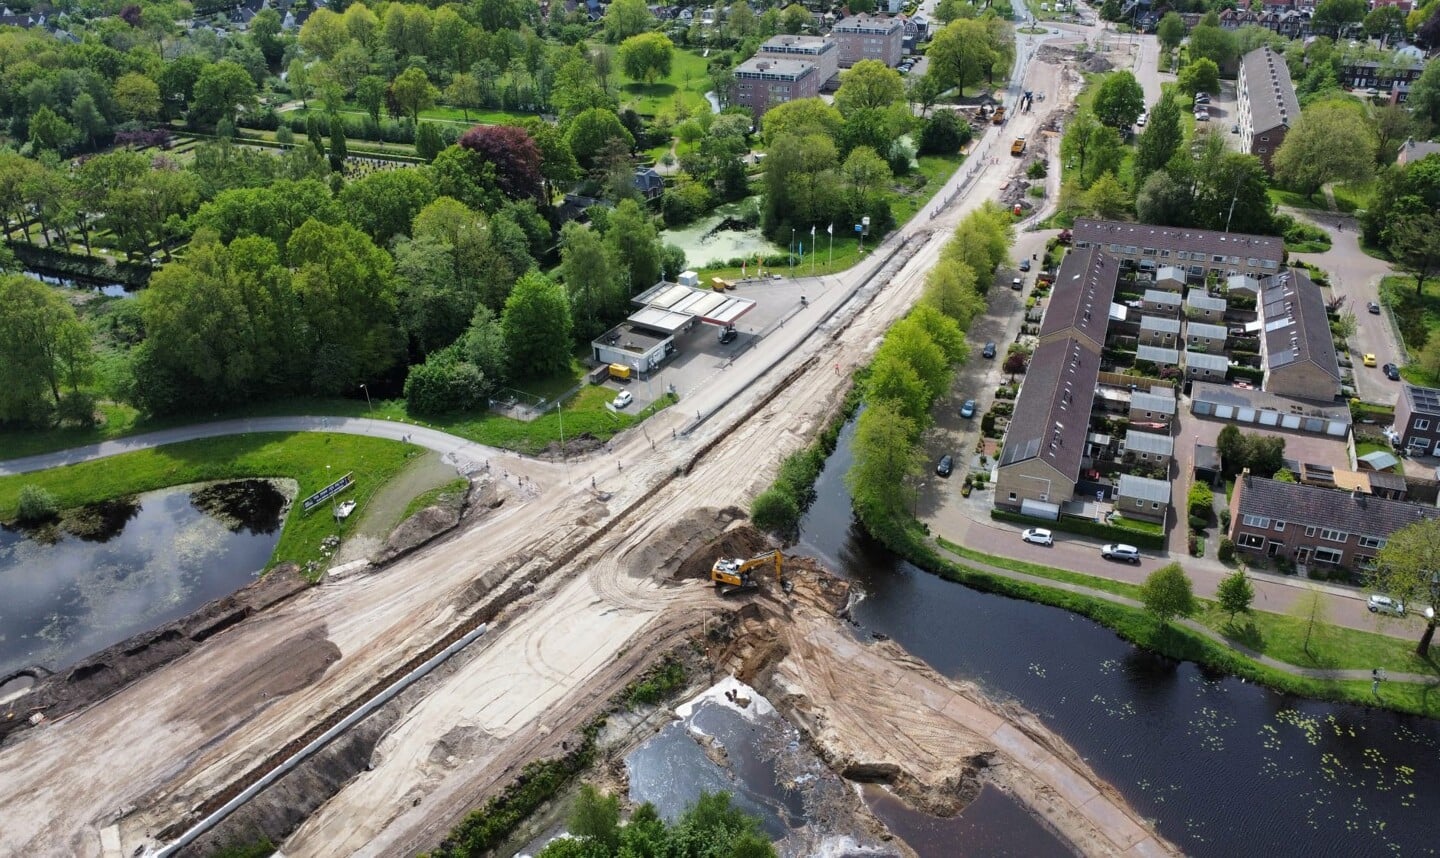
(1141, 382)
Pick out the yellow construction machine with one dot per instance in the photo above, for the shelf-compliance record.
(733, 575)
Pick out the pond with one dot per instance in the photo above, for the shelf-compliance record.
(109, 290)
(706, 246)
(1224, 767)
(109, 571)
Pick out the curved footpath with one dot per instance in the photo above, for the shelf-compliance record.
(1308, 672)
(464, 454)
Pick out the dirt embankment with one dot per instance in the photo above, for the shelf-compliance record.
(875, 713)
(111, 669)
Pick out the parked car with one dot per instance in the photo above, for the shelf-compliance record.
(624, 399)
(1202, 97)
(1368, 359)
(728, 334)
(1122, 552)
(1038, 536)
(1391, 371)
(1017, 284)
(945, 466)
(988, 351)
(1024, 265)
(1379, 604)
(1202, 116)
(1234, 129)
(1373, 307)
(968, 409)
(1142, 119)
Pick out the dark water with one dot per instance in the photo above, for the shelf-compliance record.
(107, 572)
(1225, 767)
(110, 290)
(992, 826)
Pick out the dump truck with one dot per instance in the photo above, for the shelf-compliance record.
(732, 575)
(1018, 147)
(720, 284)
(999, 117)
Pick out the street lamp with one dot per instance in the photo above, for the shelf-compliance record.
(368, 403)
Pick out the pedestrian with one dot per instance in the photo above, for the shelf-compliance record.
(592, 482)
(619, 466)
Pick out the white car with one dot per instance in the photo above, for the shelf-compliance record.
(1144, 118)
(1038, 536)
(1202, 116)
(1379, 604)
(623, 400)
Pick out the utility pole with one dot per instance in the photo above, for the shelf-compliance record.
(368, 404)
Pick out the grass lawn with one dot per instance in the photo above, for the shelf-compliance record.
(313, 460)
(689, 79)
(1350, 198)
(1138, 525)
(584, 412)
(1333, 647)
(1418, 318)
(1297, 201)
(438, 113)
(1364, 447)
(424, 499)
(1119, 588)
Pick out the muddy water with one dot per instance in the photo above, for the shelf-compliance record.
(1225, 768)
(109, 571)
(993, 825)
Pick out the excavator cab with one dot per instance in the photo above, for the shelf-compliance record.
(733, 575)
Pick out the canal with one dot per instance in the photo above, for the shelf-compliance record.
(1225, 767)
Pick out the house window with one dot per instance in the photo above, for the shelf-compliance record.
(1139, 503)
(1251, 540)
(1372, 542)
(1217, 258)
(1255, 520)
(1309, 531)
(1154, 504)
(1279, 525)
(1419, 443)
(1012, 496)
(1328, 555)
(1422, 424)
(1264, 138)
(1263, 149)
(1333, 535)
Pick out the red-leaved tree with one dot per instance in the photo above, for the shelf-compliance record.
(514, 154)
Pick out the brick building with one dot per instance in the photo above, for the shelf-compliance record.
(870, 37)
(823, 51)
(1417, 419)
(763, 82)
(1267, 102)
(1198, 251)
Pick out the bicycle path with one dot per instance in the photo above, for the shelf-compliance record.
(1308, 672)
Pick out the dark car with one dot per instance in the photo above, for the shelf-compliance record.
(728, 334)
(968, 409)
(1391, 371)
(1024, 265)
(946, 465)
(988, 351)
(1373, 307)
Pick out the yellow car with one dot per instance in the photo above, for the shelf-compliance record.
(1369, 360)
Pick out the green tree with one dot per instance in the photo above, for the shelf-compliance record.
(537, 327)
(869, 85)
(885, 459)
(1161, 138)
(1312, 610)
(591, 279)
(446, 383)
(428, 142)
(465, 93)
(896, 383)
(647, 56)
(370, 94)
(795, 18)
(960, 54)
(35, 504)
(591, 132)
(384, 203)
(1212, 43)
(1331, 141)
(413, 92)
(1107, 198)
(42, 346)
(626, 18)
(1167, 593)
(634, 244)
(1120, 100)
(1171, 30)
(49, 131)
(1425, 93)
(950, 288)
(339, 150)
(943, 134)
(323, 34)
(800, 118)
(346, 289)
(1199, 75)
(1339, 12)
(596, 819)
(1405, 568)
(1415, 242)
(1384, 22)
(137, 96)
(222, 89)
(1235, 593)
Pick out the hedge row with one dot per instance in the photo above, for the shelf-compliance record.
(1085, 527)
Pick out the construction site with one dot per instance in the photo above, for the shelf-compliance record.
(496, 643)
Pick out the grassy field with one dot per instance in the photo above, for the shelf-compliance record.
(689, 79)
(937, 170)
(439, 113)
(1350, 198)
(1418, 317)
(584, 412)
(1297, 201)
(313, 460)
(424, 499)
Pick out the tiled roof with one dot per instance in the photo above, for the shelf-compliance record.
(1296, 327)
(1272, 95)
(1080, 298)
(1308, 506)
(1144, 488)
(1052, 411)
(1206, 241)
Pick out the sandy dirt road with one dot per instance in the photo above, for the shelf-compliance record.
(149, 754)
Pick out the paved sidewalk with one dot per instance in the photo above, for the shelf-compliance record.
(1311, 673)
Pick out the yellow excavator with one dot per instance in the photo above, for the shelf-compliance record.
(733, 575)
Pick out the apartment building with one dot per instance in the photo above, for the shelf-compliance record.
(760, 83)
(870, 37)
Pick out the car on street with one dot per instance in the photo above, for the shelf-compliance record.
(728, 334)
(1038, 536)
(1122, 552)
(988, 351)
(1368, 359)
(1202, 116)
(1234, 129)
(1391, 371)
(1202, 98)
(1024, 265)
(1017, 284)
(1379, 604)
(945, 466)
(968, 409)
(1142, 119)
(624, 399)
(1373, 307)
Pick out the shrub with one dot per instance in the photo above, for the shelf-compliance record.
(35, 504)
(1038, 170)
(1225, 519)
(1226, 550)
(1201, 500)
(775, 510)
(444, 384)
(1197, 522)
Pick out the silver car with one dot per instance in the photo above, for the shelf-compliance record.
(1120, 551)
(1379, 604)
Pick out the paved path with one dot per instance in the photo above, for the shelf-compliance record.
(464, 454)
(1308, 672)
